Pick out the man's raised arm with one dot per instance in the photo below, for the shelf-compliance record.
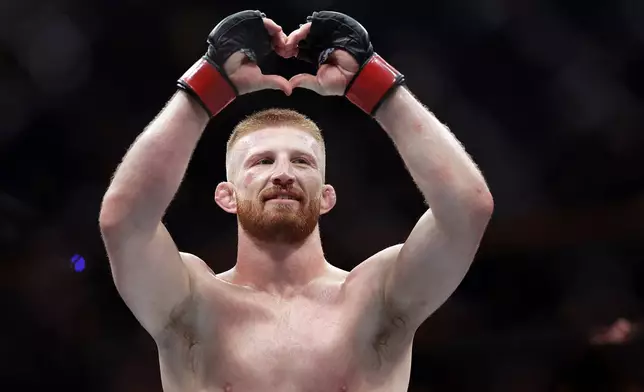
(149, 272)
(146, 266)
(441, 247)
(420, 275)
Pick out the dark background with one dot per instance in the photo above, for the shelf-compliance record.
(546, 96)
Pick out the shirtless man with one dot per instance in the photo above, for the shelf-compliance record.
(284, 319)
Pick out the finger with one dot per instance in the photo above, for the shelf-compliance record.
(279, 45)
(299, 34)
(296, 36)
(276, 82)
(306, 81)
(272, 27)
(234, 62)
(281, 38)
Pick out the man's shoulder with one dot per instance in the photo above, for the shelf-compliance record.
(195, 263)
(378, 260)
(203, 277)
(371, 270)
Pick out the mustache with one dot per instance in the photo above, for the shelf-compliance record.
(275, 192)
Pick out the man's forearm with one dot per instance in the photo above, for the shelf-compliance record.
(153, 168)
(448, 178)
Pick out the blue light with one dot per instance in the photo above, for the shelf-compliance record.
(78, 262)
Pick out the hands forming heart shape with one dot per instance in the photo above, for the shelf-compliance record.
(331, 79)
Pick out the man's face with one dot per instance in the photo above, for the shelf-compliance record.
(278, 181)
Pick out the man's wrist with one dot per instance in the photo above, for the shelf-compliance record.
(391, 105)
(373, 84)
(194, 105)
(209, 85)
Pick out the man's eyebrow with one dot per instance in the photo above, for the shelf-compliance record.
(307, 155)
(254, 155)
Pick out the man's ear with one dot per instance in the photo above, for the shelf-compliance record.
(328, 199)
(225, 197)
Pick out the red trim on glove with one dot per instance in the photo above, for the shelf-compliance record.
(373, 82)
(209, 85)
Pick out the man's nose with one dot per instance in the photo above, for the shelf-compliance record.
(282, 178)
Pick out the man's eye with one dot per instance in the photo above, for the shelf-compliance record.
(264, 161)
(301, 161)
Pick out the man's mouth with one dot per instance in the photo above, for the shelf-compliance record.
(282, 196)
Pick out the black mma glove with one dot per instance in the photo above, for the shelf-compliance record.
(375, 79)
(206, 80)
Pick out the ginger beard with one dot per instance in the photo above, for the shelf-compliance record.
(276, 222)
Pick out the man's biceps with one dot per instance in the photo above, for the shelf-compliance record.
(151, 278)
(418, 288)
(143, 252)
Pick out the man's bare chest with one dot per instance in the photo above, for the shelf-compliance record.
(298, 336)
(247, 342)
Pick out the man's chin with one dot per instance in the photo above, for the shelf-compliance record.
(285, 230)
(284, 220)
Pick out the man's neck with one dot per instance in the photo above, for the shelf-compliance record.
(278, 268)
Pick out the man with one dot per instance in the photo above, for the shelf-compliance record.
(284, 319)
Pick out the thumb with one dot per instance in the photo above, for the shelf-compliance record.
(276, 82)
(306, 81)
